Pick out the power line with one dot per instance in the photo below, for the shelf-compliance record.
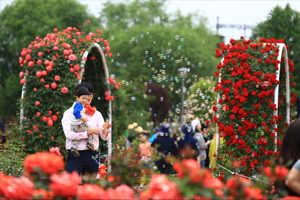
(234, 26)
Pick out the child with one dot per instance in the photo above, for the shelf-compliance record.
(145, 150)
(78, 120)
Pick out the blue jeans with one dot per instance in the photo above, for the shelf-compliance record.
(202, 163)
(83, 164)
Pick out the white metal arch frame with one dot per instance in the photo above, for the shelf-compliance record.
(85, 55)
(282, 52)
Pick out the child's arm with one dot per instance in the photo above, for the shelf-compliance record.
(83, 119)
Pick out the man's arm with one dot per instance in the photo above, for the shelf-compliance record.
(71, 135)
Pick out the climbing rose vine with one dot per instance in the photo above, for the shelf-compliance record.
(247, 108)
(51, 68)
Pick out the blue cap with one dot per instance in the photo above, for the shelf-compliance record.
(186, 129)
(164, 129)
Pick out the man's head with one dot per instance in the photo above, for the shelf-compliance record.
(82, 95)
(89, 87)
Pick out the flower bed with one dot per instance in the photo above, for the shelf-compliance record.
(43, 179)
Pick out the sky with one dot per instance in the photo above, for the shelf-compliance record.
(229, 12)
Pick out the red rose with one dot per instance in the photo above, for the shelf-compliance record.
(214, 108)
(232, 117)
(272, 134)
(259, 60)
(38, 73)
(65, 185)
(48, 162)
(248, 150)
(264, 115)
(121, 192)
(30, 64)
(38, 114)
(37, 103)
(89, 191)
(57, 78)
(107, 48)
(21, 74)
(281, 172)
(53, 85)
(28, 57)
(23, 81)
(221, 178)
(64, 90)
(49, 68)
(267, 61)
(44, 73)
(72, 57)
(54, 117)
(243, 133)
(216, 74)
(76, 67)
(159, 186)
(47, 86)
(16, 188)
(88, 37)
(232, 102)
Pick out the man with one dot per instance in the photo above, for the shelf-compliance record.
(84, 163)
(166, 146)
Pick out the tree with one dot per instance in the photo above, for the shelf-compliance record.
(283, 23)
(21, 23)
(160, 106)
(145, 40)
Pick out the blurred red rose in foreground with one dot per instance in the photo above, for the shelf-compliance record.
(48, 162)
(65, 184)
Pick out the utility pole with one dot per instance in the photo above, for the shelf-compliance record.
(234, 26)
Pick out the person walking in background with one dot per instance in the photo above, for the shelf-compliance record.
(188, 146)
(205, 132)
(166, 147)
(176, 138)
(203, 146)
(145, 153)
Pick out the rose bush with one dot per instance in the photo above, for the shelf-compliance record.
(51, 68)
(200, 101)
(247, 105)
(192, 182)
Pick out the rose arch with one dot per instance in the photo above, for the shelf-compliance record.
(51, 68)
(253, 105)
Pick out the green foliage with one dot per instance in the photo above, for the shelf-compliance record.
(21, 22)
(283, 23)
(12, 154)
